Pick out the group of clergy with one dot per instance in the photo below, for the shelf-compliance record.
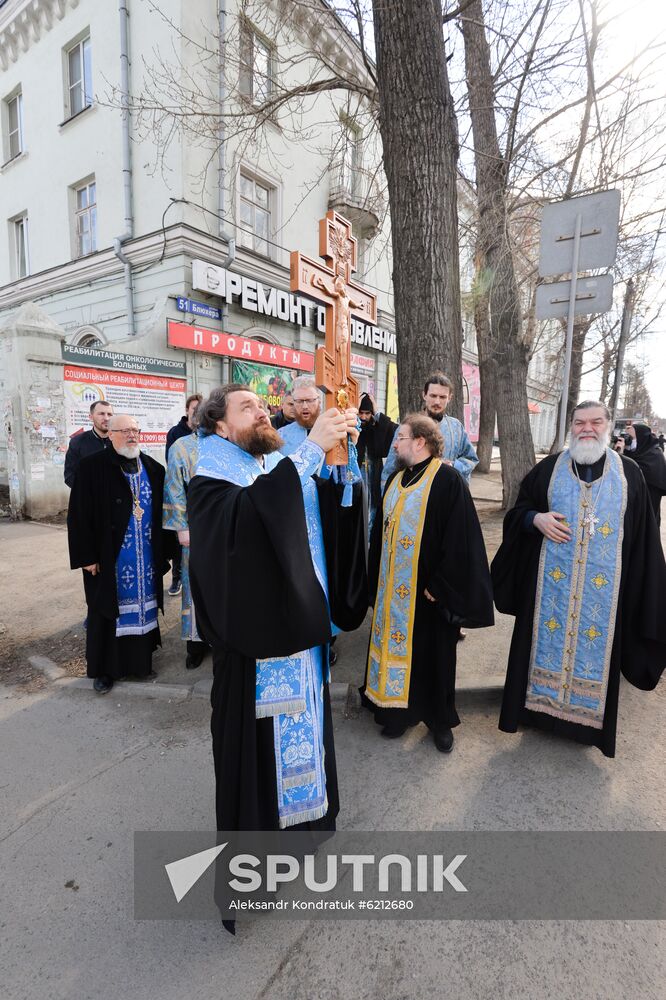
(580, 566)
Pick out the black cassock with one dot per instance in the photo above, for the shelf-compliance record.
(257, 596)
(639, 643)
(100, 507)
(453, 567)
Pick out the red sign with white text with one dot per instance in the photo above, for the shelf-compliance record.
(199, 338)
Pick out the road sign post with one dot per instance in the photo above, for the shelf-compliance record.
(580, 233)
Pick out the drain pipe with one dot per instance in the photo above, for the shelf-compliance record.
(221, 149)
(123, 9)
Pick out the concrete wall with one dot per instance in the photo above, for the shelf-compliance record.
(33, 414)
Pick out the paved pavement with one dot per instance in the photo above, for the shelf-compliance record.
(82, 773)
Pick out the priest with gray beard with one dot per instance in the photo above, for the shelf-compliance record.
(582, 569)
(114, 526)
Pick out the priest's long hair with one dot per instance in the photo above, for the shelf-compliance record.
(214, 408)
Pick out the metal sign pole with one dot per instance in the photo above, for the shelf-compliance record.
(569, 342)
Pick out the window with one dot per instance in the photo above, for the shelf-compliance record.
(14, 126)
(90, 340)
(79, 77)
(351, 159)
(255, 214)
(19, 236)
(256, 66)
(85, 216)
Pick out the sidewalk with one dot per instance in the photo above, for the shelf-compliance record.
(43, 610)
(85, 773)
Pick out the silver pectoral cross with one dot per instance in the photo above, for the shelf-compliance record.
(590, 519)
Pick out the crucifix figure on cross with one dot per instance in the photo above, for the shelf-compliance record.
(332, 284)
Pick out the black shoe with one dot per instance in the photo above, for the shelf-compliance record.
(194, 660)
(332, 657)
(103, 684)
(393, 732)
(175, 588)
(461, 635)
(444, 740)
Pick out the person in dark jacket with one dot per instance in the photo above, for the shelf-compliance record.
(184, 427)
(114, 526)
(374, 443)
(287, 414)
(646, 453)
(89, 442)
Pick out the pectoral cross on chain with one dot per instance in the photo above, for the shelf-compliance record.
(589, 520)
(138, 509)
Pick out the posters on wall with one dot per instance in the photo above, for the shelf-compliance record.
(156, 401)
(268, 382)
(392, 408)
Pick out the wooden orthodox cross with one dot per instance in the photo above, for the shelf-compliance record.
(332, 284)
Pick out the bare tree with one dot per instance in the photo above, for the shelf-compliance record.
(506, 344)
(420, 143)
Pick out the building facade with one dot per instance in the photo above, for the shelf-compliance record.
(149, 213)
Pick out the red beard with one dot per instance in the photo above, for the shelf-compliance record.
(259, 440)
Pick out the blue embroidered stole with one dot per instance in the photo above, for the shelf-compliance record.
(289, 689)
(450, 429)
(135, 574)
(576, 598)
(390, 654)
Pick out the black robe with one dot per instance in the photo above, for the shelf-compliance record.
(100, 507)
(453, 567)
(639, 644)
(649, 458)
(256, 595)
(374, 444)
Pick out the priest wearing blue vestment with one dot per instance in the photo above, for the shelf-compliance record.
(307, 407)
(277, 556)
(458, 451)
(114, 526)
(582, 569)
(182, 458)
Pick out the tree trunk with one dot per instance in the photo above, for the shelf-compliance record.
(420, 153)
(507, 345)
(576, 371)
(605, 374)
(487, 365)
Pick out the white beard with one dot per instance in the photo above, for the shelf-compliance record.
(587, 452)
(129, 451)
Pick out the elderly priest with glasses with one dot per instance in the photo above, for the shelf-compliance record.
(114, 525)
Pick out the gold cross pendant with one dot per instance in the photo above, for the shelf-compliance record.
(138, 510)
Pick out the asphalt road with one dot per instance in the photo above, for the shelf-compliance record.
(82, 773)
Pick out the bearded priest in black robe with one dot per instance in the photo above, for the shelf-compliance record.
(277, 563)
(582, 569)
(428, 576)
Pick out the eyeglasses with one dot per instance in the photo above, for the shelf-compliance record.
(126, 431)
(404, 437)
(306, 402)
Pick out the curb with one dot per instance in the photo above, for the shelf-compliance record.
(47, 667)
(346, 694)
